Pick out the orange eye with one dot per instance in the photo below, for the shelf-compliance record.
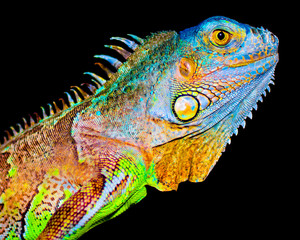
(187, 67)
(221, 37)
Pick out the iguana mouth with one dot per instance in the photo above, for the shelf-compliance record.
(251, 58)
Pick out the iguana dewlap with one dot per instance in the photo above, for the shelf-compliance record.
(162, 118)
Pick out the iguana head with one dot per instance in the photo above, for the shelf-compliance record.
(219, 70)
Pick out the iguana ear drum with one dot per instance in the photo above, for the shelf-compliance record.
(187, 67)
(186, 107)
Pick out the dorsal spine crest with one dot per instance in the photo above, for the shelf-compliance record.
(79, 94)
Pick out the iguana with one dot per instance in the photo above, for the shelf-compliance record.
(163, 117)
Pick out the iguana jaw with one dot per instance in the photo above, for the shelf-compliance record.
(248, 93)
(199, 148)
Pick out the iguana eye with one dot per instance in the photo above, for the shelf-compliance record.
(186, 107)
(220, 37)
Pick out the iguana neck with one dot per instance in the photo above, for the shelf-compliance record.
(191, 157)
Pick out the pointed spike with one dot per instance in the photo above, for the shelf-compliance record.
(271, 82)
(56, 108)
(124, 53)
(223, 150)
(31, 121)
(4, 140)
(243, 124)
(77, 97)
(91, 87)
(268, 89)
(13, 131)
(97, 84)
(9, 136)
(105, 69)
(138, 39)
(44, 115)
(20, 128)
(64, 105)
(250, 115)
(265, 93)
(131, 44)
(70, 99)
(235, 132)
(255, 107)
(37, 117)
(51, 111)
(113, 61)
(83, 93)
(96, 77)
(26, 125)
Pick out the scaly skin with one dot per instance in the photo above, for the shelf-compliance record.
(163, 118)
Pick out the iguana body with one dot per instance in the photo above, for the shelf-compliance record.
(163, 118)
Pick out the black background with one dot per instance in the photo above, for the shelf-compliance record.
(45, 49)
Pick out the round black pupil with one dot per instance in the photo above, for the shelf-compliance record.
(221, 35)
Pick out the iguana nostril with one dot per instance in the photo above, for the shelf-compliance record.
(254, 31)
(273, 38)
